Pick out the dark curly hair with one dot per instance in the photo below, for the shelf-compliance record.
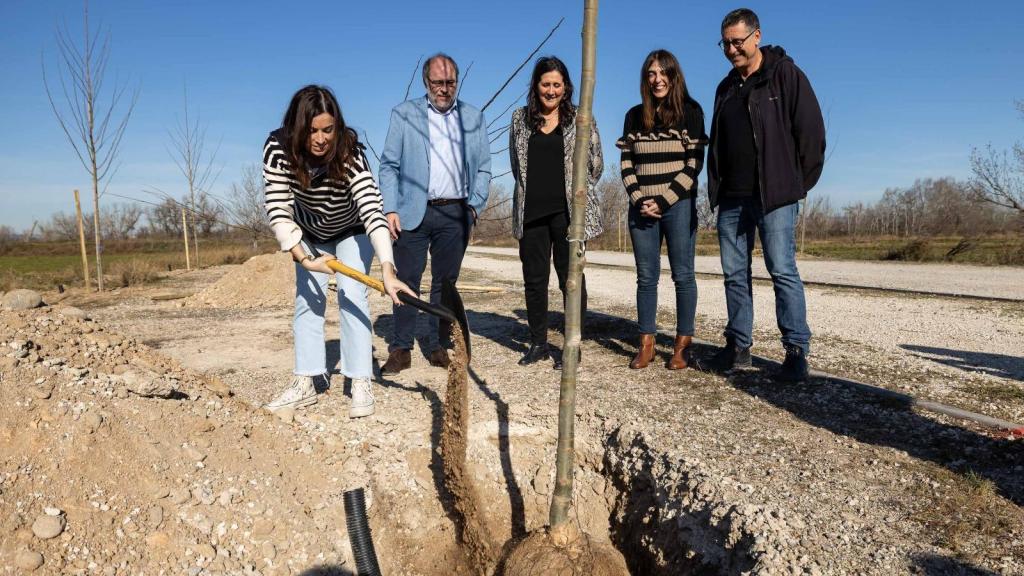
(308, 103)
(566, 111)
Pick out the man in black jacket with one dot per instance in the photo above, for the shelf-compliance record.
(766, 151)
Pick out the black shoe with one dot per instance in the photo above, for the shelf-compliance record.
(558, 361)
(794, 367)
(536, 353)
(731, 357)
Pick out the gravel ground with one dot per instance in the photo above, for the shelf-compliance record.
(963, 345)
(685, 472)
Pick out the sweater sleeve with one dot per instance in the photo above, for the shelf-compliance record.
(626, 160)
(278, 195)
(365, 194)
(685, 182)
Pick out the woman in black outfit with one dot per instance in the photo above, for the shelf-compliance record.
(542, 138)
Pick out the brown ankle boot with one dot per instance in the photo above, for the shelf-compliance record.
(645, 354)
(678, 360)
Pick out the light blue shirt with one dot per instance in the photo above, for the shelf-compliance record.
(447, 170)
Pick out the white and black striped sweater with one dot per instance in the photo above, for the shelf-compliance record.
(327, 209)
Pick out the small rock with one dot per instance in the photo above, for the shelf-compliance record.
(72, 312)
(180, 495)
(46, 526)
(205, 551)
(155, 517)
(158, 540)
(262, 527)
(286, 414)
(268, 550)
(52, 511)
(192, 453)
(92, 421)
(28, 560)
(41, 392)
(22, 299)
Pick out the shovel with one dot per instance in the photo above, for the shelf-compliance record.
(450, 311)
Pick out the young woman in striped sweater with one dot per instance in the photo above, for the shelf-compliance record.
(662, 153)
(320, 192)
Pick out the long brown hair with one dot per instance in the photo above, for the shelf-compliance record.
(670, 111)
(308, 103)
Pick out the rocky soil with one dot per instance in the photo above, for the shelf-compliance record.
(123, 452)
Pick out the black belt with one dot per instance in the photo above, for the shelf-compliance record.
(445, 201)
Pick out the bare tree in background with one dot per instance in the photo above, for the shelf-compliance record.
(999, 176)
(246, 204)
(93, 125)
(611, 195)
(195, 162)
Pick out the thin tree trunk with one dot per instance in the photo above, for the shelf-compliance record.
(562, 495)
(184, 230)
(81, 239)
(97, 235)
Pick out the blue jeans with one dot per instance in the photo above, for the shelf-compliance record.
(737, 219)
(678, 226)
(444, 234)
(311, 303)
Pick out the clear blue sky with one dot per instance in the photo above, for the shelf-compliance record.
(908, 88)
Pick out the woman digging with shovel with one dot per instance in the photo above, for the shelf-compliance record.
(322, 199)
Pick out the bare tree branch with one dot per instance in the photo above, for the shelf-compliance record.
(516, 71)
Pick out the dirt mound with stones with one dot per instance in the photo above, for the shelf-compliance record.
(267, 280)
(116, 460)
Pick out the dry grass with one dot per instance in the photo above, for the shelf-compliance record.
(967, 511)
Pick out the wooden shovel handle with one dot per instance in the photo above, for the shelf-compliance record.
(356, 275)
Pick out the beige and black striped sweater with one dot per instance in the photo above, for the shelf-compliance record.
(662, 164)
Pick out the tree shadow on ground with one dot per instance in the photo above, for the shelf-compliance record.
(935, 565)
(515, 493)
(1000, 365)
(873, 419)
(830, 405)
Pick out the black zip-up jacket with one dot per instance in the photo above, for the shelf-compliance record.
(789, 132)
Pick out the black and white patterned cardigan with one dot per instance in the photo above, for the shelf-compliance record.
(519, 144)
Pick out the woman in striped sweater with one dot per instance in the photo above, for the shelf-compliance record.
(320, 193)
(662, 153)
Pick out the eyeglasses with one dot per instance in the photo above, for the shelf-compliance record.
(736, 43)
(442, 83)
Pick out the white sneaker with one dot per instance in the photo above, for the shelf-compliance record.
(299, 393)
(362, 398)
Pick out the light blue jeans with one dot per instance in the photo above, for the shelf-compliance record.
(311, 303)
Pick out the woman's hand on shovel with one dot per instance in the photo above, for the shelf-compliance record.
(319, 264)
(392, 285)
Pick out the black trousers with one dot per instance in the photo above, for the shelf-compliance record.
(544, 240)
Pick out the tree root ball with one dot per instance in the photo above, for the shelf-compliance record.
(562, 551)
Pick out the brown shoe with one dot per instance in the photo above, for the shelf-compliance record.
(678, 359)
(439, 358)
(399, 359)
(645, 354)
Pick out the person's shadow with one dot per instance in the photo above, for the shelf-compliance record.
(874, 419)
(1000, 365)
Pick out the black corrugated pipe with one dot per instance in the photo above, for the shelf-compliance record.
(359, 533)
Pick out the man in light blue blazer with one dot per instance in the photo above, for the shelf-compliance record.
(435, 172)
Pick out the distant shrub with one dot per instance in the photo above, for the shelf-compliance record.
(913, 251)
(134, 271)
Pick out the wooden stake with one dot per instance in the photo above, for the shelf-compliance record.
(81, 239)
(184, 231)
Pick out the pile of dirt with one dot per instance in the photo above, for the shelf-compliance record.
(267, 280)
(116, 460)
